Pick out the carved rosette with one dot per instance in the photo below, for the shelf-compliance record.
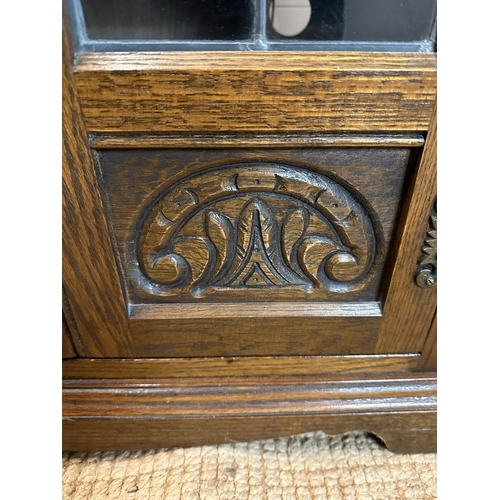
(256, 226)
(426, 274)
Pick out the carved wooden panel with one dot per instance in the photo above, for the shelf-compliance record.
(239, 225)
(254, 226)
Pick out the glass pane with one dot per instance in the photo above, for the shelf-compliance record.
(351, 20)
(168, 19)
(398, 25)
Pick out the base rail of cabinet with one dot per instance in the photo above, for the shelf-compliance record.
(132, 414)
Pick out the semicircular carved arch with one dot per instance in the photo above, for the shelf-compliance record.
(254, 226)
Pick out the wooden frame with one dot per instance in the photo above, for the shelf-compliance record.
(409, 308)
(216, 92)
(123, 100)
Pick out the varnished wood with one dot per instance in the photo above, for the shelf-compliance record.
(239, 230)
(239, 140)
(257, 336)
(389, 406)
(255, 310)
(157, 118)
(409, 308)
(244, 396)
(67, 346)
(357, 188)
(403, 432)
(260, 366)
(71, 328)
(89, 269)
(428, 359)
(265, 91)
(177, 319)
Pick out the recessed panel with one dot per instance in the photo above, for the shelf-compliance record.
(253, 225)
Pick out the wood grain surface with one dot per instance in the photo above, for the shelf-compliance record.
(258, 366)
(186, 201)
(428, 359)
(237, 231)
(409, 308)
(257, 336)
(402, 431)
(105, 415)
(156, 118)
(67, 346)
(90, 275)
(72, 329)
(255, 310)
(243, 396)
(121, 140)
(177, 309)
(265, 91)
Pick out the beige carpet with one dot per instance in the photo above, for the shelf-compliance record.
(312, 466)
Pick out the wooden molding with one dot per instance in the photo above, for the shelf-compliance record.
(245, 140)
(255, 310)
(259, 366)
(140, 414)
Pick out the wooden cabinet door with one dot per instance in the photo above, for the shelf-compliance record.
(232, 219)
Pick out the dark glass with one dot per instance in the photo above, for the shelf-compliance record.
(326, 19)
(358, 20)
(168, 19)
(393, 25)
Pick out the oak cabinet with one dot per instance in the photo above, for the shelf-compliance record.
(249, 246)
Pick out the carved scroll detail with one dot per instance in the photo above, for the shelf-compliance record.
(254, 226)
(426, 274)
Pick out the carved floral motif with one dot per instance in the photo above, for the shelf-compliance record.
(256, 226)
